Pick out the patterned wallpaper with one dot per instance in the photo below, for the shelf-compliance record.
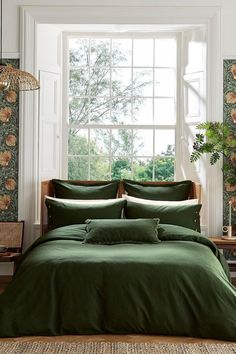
(229, 108)
(9, 131)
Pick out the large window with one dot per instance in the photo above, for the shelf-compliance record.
(122, 107)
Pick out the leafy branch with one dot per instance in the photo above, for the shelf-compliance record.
(216, 139)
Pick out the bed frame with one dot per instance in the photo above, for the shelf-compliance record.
(47, 188)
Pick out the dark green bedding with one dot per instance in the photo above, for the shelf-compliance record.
(179, 286)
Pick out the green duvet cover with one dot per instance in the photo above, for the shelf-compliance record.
(179, 286)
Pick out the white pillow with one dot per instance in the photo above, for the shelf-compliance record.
(160, 202)
(81, 201)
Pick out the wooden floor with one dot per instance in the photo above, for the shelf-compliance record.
(105, 337)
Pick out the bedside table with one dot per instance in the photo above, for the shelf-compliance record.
(11, 236)
(226, 244)
(9, 257)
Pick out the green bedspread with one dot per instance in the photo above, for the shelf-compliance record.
(179, 286)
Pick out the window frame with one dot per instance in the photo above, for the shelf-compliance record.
(66, 96)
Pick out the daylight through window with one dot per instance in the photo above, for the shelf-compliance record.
(122, 107)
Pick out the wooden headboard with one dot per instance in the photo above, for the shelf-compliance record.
(47, 188)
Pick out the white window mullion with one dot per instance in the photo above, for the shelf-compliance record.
(110, 150)
(89, 155)
(153, 110)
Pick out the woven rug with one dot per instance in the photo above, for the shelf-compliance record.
(113, 348)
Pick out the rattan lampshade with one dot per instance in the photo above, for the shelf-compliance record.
(17, 80)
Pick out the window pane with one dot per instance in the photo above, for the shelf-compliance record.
(78, 142)
(79, 110)
(143, 82)
(99, 141)
(142, 169)
(99, 168)
(143, 52)
(79, 51)
(164, 168)
(143, 142)
(121, 168)
(121, 142)
(143, 111)
(100, 82)
(121, 52)
(165, 52)
(121, 110)
(164, 142)
(193, 99)
(164, 111)
(79, 82)
(100, 110)
(78, 167)
(165, 82)
(121, 82)
(100, 52)
(195, 56)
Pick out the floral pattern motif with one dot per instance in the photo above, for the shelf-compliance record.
(9, 132)
(5, 114)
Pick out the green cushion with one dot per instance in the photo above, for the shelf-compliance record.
(168, 191)
(99, 190)
(122, 231)
(182, 215)
(69, 213)
(168, 232)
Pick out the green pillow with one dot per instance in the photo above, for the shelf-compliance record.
(167, 191)
(98, 190)
(111, 232)
(173, 232)
(69, 213)
(182, 215)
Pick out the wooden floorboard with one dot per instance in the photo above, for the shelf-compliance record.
(105, 337)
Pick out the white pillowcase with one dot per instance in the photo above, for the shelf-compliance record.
(160, 202)
(81, 201)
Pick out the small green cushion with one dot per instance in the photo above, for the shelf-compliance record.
(182, 215)
(168, 191)
(68, 213)
(168, 232)
(99, 190)
(122, 231)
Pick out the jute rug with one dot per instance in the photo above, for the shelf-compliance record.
(113, 348)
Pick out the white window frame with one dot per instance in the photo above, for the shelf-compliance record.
(130, 35)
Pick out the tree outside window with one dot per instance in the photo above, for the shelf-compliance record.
(122, 117)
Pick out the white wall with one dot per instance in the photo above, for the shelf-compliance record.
(11, 12)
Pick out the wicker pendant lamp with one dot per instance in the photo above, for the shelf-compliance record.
(14, 79)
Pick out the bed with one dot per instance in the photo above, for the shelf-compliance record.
(142, 274)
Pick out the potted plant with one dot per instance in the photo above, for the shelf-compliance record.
(218, 140)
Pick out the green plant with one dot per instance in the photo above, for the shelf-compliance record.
(216, 139)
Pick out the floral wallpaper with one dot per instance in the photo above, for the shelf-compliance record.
(9, 132)
(229, 107)
(230, 117)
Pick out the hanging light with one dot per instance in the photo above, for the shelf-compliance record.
(12, 78)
